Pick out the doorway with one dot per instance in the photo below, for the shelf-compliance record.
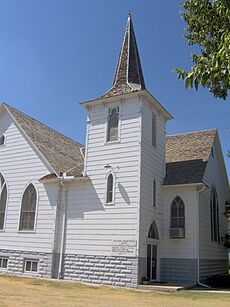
(152, 262)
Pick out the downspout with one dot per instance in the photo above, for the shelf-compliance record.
(198, 239)
(63, 230)
(56, 225)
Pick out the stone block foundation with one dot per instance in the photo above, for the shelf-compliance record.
(117, 271)
(16, 262)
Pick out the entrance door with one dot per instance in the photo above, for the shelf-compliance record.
(152, 262)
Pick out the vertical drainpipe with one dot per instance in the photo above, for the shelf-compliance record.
(56, 222)
(63, 230)
(198, 237)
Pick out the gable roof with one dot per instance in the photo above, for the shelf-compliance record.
(62, 153)
(187, 155)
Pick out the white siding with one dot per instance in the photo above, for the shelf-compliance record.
(180, 248)
(20, 165)
(91, 224)
(214, 175)
(152, 167)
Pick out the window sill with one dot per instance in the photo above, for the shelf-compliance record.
(109, 204)
(26, 231)
(112, 142)
(30, 273)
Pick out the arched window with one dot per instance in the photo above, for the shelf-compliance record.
(177, 213)
(28, 208)
(110, 188)
(154, 131)
(214, 216)
(3, 199)
(153, 231)
(113, 122)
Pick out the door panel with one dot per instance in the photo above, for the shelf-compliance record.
(152, 262)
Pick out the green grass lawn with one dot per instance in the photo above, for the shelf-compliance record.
(16, 291)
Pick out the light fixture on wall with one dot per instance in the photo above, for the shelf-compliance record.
(107, 166)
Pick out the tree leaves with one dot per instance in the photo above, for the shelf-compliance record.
(208, 26)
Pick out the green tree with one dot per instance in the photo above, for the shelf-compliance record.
(208, 27)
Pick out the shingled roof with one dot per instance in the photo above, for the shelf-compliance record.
(128, 76)
(187, 155)
(62, 153)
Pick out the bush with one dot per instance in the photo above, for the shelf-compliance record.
(219, 281)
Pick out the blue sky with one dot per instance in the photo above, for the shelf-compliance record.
(55, 54)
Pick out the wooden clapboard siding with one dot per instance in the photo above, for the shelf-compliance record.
(20, 165)
(152, 167)
(91, 224)
(180, 248)
(215, 174)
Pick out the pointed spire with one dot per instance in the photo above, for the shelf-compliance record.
(128, 76)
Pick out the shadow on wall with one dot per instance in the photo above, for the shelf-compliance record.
(83, 198)
(124, 194)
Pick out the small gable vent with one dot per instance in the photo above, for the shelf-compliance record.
(177, 233)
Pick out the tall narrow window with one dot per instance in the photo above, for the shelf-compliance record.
(3, 199)
(113, 122)
(109, 189)
(154, 132)
(2, 140)
(177, 213)
(154, 193)
(214, 215)
(28, 208)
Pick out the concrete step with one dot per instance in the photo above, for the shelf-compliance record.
(167, 287)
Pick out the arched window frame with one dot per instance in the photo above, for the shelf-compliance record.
(109, 110)
(177, 200)
(154, 130)
(153, 229)
(36, 209)
(214, 216)
(7, 191)
(111, 173)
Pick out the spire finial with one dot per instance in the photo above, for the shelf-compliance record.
(129, 14)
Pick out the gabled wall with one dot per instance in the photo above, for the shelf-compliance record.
(213, 255)
(20, 165)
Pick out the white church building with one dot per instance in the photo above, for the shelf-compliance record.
(131, 204)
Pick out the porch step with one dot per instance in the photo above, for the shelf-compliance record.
(167, 287)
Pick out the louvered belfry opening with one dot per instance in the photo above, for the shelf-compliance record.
(113, 122)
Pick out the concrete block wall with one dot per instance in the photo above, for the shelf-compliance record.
(117, 271)
(16, 262)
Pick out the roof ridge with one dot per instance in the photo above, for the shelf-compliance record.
(39, 122)
(193, 132)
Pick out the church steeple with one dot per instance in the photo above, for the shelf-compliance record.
(128, 76)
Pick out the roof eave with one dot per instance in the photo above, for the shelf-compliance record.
(183, 184)
(65, 179)
(3, 106)
(143, 93)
